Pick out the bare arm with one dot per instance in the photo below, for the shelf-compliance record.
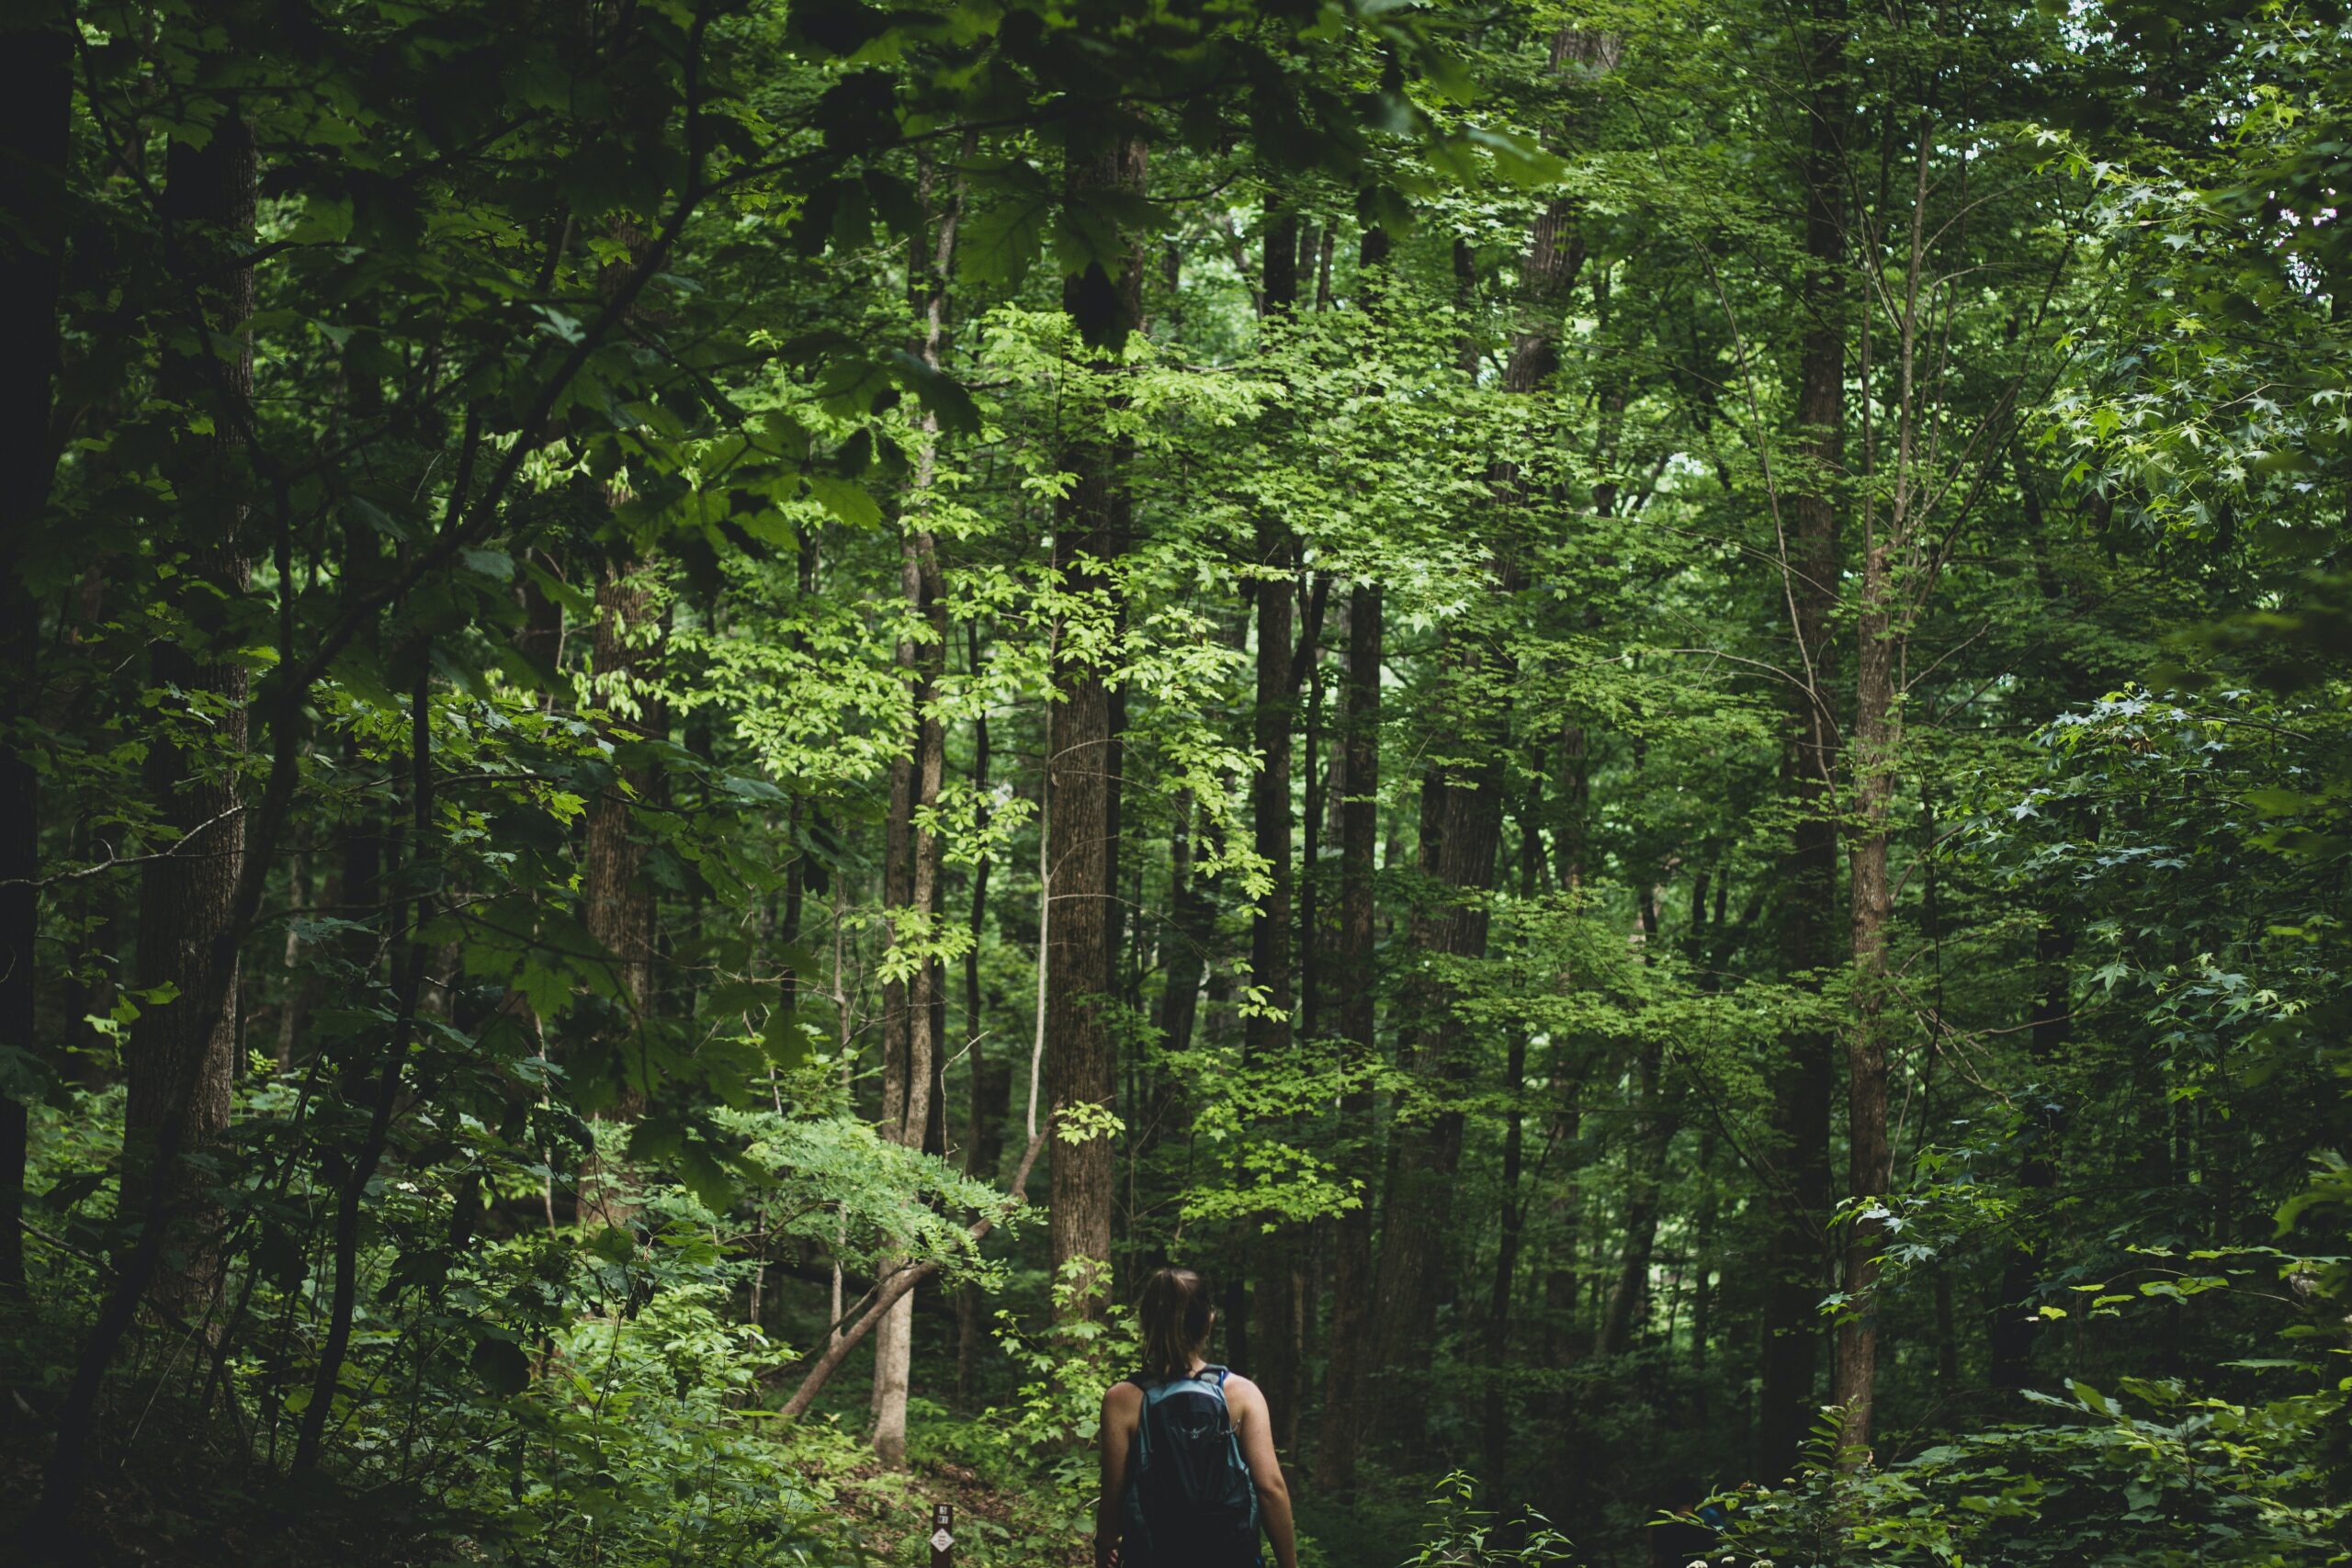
(1115, 1438)
(1256, 1425)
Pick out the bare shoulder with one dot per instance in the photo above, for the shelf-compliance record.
(1243, 1394)
(1122, 1402)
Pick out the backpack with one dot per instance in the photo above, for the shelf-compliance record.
(1190, 1503)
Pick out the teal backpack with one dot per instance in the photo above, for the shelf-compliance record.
(1190, 1503)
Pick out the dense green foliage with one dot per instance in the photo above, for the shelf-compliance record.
(1640, 713)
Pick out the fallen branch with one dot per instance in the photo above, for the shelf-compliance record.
(905, 1279)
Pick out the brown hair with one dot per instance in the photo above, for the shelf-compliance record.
(1175, 1317)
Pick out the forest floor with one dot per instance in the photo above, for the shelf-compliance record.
(890, 1511)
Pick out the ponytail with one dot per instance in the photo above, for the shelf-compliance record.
(1175, 1318)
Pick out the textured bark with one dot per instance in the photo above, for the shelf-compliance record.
(36, 100)
(181, 1057)
(1869, 1162)
(1797, 1273)
(1091, 528)
(616, 902)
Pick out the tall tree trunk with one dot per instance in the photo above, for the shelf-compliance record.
(1511, 1209)
(921, 1122)
(1702, 1247)
(1881, 626)
(1191, 928)
(1869, 1159)
(1319, 775)
(1646, 1168)
(991, 1081)
(408, 987)
(1646, 1159)
(1267, 1032)
(1461, 828)
(1797, 1273)
(617, 904)
(1352, 960)
(1090, 528)
(35, 106)
(2015, 1322)
(182, 1056)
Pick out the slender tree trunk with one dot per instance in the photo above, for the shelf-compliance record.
(617, 904)
(1880, 629)
(1461, 828)
(1869, 1161)
(1797, 1273)
(617, 901)
(1510, 1218)
(2016, 1323)
(1353, 959)
(1703, 1245)
(409, 990)
(35, 106)
(1321, 774)
(1091, 528)
(1629, 1292)
(182, 1056)
(1646, 1168)
(991, 1081)
(1267, 1032)
(1190, 931)
(921, 1122)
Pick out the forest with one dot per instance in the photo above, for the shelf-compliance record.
(1638, 711)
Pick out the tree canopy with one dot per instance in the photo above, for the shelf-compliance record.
(1641, 714)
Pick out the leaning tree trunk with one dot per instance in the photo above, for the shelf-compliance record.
(36, 104)
(1091, 528)
(1797, 1270)
(182, 1056)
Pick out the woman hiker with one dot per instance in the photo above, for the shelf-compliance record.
(1189, 1473)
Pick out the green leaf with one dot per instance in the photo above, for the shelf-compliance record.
(1000, 240)
(502, 1365)
(941, 394)
(845, 498)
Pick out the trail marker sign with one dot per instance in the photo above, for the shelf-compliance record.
(943, 1535)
